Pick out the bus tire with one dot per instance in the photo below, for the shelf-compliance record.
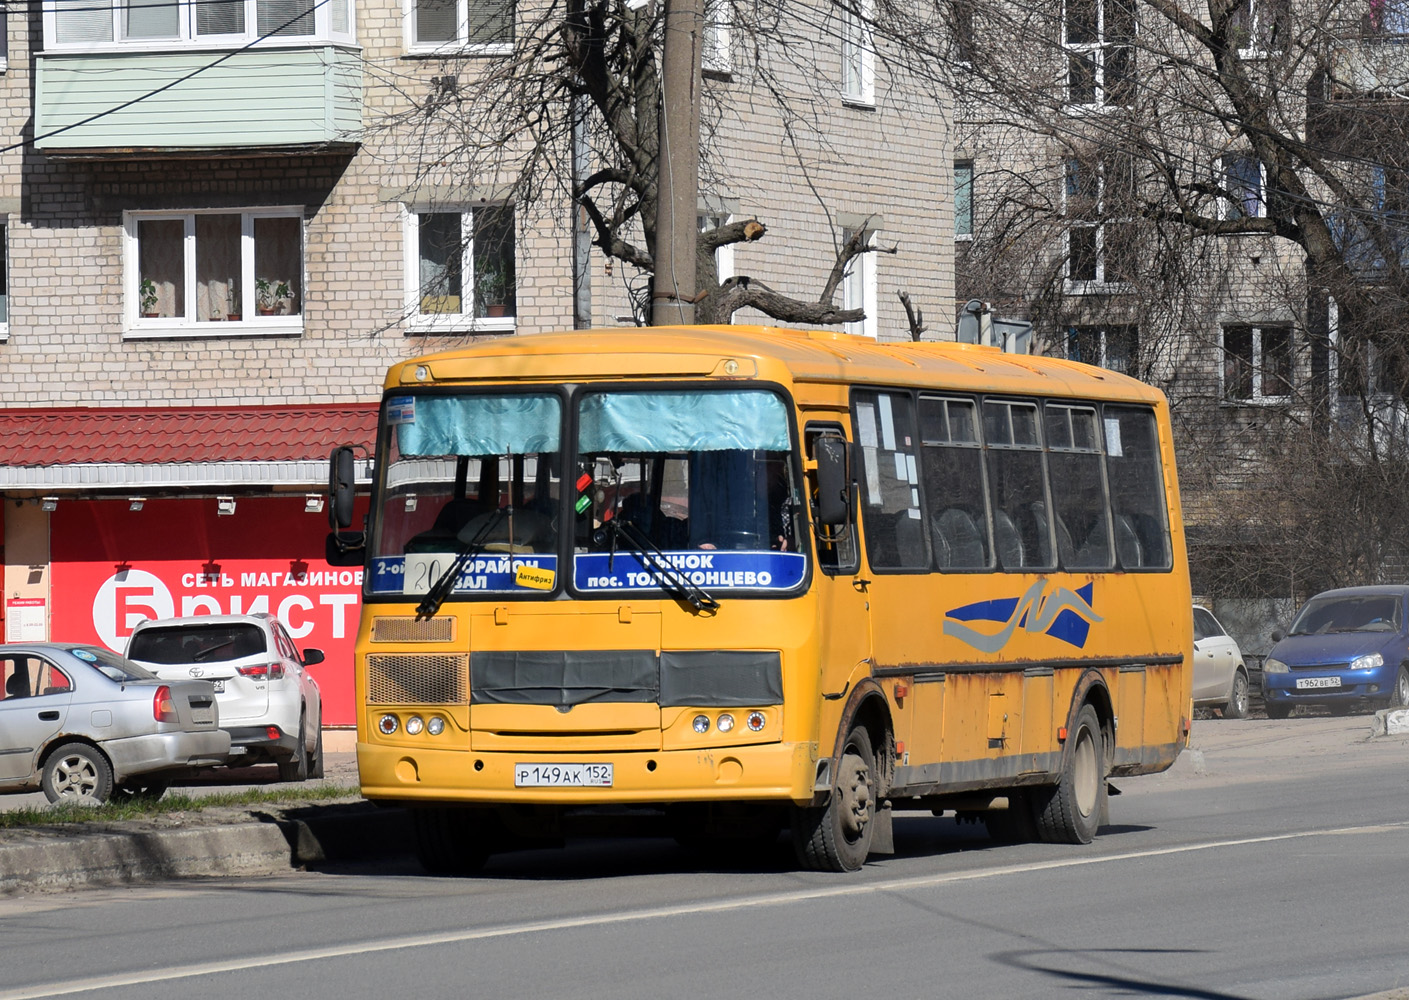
(1069, 812)
(836, 837)
(449, 841)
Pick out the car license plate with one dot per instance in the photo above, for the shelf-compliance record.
(562, 775)
(1318, 682)
(219, 686)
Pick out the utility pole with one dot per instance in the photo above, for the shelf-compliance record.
(678, 184)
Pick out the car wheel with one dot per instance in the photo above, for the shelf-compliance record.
(1237, 707)
(295, 768)
(75, 770)
(1276, 711)
(1400, 697)
(315, 768)
(836, 837)
(1069, 812)
(141, 789)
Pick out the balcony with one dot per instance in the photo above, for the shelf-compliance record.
(196, 77)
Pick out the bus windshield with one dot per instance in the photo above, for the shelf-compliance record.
(699, 480)
(452, 462)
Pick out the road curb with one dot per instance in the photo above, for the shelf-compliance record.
(1390, 722)
(265, 842)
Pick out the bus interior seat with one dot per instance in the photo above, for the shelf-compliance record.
(531, 531)
(907, 542)
(441, 535)
(1095, 551)
(1007, 541)
(1040, 529)
(958, 542)
(1127, 543)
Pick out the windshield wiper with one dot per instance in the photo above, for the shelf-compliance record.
(673, 580)
(445, 583)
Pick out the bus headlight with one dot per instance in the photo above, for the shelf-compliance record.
(436, 726)
(701, 724)
(756, 721)
(414, 725)
(387, 724)
(726, 722)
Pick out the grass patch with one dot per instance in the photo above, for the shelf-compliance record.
(115, 810)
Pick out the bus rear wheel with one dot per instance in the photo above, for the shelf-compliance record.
(836, 837)
(450, 840)
(1070, 811)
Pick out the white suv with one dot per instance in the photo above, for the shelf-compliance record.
(269, 704)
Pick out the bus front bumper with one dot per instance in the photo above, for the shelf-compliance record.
(769, 772)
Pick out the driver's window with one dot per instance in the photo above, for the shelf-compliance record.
(837, 551)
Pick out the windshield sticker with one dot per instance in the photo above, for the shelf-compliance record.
(1113, 448)
(535, 577)
(413, 575)
(887, 423)
(83, 654)
(866, 425)
(1064, 614)
(401, 410)
(726, 570)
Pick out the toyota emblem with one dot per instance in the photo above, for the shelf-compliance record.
(197, 672)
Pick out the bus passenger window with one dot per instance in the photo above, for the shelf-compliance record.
(1022, 532)
(953, 469)
(895, 530)
(1140, 517)
(1078, 487)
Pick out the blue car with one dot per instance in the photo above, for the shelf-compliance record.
(1345, 648)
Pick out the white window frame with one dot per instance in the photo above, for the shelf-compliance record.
(858, 287)
(858, 54)
(1259, 395)
(420, 323)
(1097, 50)
(723, 256)
(972, 219)
(414, 46)
(1225, 204)
(187, 38)
(717, 50)
(1103, 330)
(1256, 13)
(4, 39)
(139, 327)
(1099, 285)
(5, 265)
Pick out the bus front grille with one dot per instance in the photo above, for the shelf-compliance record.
(417, 679)
(388, 629)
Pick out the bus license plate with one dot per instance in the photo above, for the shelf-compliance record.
(1318, 682)
(562, 775)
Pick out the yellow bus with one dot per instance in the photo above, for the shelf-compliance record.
(743, 579)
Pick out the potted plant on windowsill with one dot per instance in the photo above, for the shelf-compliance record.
(495, 287)
(147, 293)
(271, 296)
(232, 303)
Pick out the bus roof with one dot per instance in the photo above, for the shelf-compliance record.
(785, 355)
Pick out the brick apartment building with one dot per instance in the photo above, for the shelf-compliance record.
(215, 242)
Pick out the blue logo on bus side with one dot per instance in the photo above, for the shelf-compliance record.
(1064, 614)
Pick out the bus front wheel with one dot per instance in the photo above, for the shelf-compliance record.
(450, 840)
(836, 837)
(1070, 811)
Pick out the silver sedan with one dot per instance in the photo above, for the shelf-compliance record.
(83, 721)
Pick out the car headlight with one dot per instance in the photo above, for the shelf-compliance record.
(1271, 666)
(1367, 662)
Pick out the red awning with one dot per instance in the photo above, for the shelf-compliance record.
(31, 438)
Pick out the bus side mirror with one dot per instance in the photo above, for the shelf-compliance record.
(833, 482)
(342, 487)
(345, 548)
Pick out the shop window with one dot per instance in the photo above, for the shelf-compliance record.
(858, 56)
(87, 24)
(195, 274)
(460, 270)
(1257, 363)
(1099, 38)
(480, 24)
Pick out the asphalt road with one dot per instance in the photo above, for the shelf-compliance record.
(1264, 865)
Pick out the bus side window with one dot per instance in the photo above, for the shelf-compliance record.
(896, 536)
(836, 547)
(1139, 514)
(1022, 531)
(1078, 487)
(954, 486)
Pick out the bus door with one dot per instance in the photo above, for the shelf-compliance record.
(844, 633)
(906, 619)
